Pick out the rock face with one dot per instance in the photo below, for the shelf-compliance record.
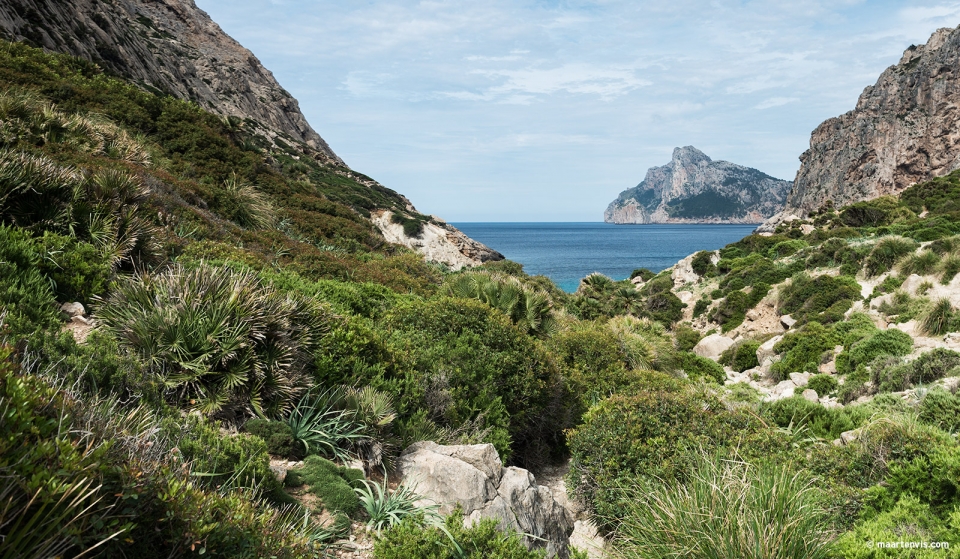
(692, 188)
(169, 45)
(473, 477)
(439, 242)
(904, 130)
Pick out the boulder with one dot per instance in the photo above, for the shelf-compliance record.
(72, 309)
(811, 395)
(848, 437)
(765, 351)
(473, 477)
(806, 228)
(712, 346)
(800, 379)
(787, 321)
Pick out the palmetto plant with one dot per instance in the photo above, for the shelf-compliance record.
(37, 193)
(223, 343)
(530, 309)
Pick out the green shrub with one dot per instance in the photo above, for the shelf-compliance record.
(803, 350)
(642, 273)
(885, 342)
(655, 433)
(824, 299)
(872, 213)
(940, 409)
(530, 309)
(825, 423)
(741, 356)
(685, 337)
(226, 342)
(822, 384)
(483, 540)
(78, 270)
(333, 485)
(909, 521)
(276, 434)
(889, 284)
(887, 252)
(949, 268)
(702, 263)
(891, 374)
(784, 249)
(698, 367)
(726, 509)
(461, 359)
(25, 293)
(216, 460)
(732, 310)
(700, 307)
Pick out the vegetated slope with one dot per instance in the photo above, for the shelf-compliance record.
(902, 131)
(692, 188)
(170, 46)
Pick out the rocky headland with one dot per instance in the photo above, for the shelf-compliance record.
(902, 131)
(693, 188)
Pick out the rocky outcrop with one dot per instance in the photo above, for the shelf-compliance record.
(692, 188)
(473, 477)
(167, 45)
(438, 242)
(904, 130)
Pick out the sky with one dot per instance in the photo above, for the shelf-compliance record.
(544, 110)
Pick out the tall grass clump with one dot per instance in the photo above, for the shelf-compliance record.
(949, 268)
(726, 510)
(887, 252)
(920, 264)
(222, 343)
(938, 318)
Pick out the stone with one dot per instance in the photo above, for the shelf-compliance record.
(912, 283)
(806, 228)
(765, 351)
(811, 395)
(783, 389)
(848, 437)
(279, 472)
(437, 243)
(712, 346)
(72, 309)
(800, 379)
(753, 315)
(787, 321)
(473, 477)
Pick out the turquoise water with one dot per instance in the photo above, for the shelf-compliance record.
(566, 252)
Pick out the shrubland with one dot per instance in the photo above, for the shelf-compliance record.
(246, 310)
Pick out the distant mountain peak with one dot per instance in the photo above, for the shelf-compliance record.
(693, 188)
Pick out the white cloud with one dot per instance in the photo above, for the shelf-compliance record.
(775, 102)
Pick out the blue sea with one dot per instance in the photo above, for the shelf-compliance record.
(566, 252)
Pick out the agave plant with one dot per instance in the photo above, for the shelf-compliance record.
(319, 423)
(222, 342)
(387, 508)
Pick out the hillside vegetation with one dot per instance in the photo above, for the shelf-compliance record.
(242, 309)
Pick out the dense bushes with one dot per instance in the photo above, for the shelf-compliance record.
(414, 538)
(741, 356)
(25, 293)
(654, 433)
(887, 252)
(894, 376)
(461, 359)
(884, 342)
(333, 485)
(697, 367)
(803, 350)
(732, 310)
(823, 299)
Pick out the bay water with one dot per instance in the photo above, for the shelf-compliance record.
(567, 252)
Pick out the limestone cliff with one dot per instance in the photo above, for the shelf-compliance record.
(437, 242)
(692, 188)
(904, 129)
(167, 45)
